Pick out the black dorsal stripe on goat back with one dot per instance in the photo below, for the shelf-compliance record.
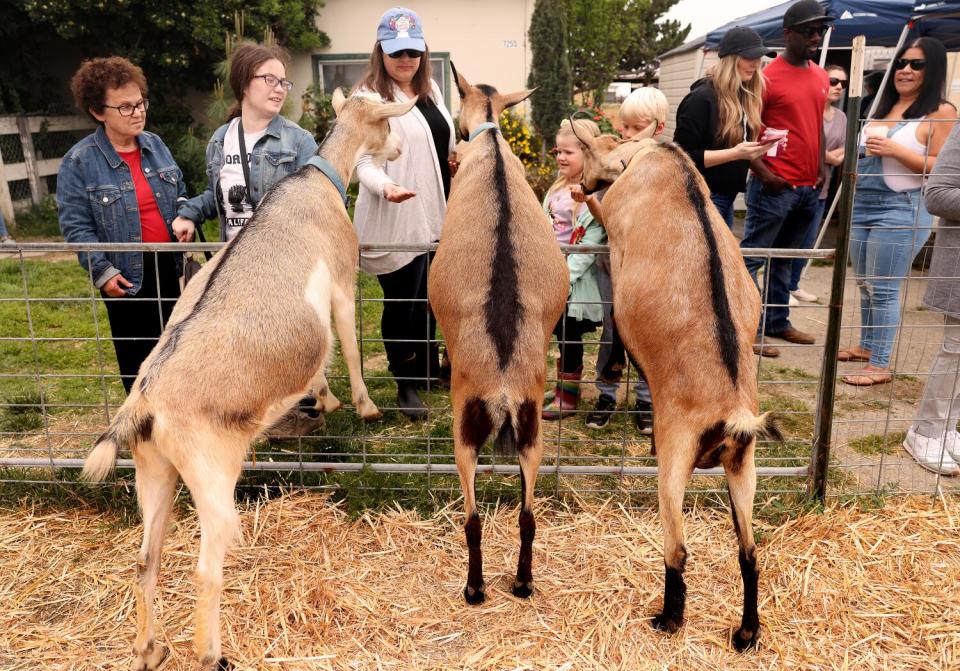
(725, 328)
(502, 309)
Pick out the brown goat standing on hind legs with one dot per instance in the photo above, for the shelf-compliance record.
(687, 311)
(497, 286)
(249, 336)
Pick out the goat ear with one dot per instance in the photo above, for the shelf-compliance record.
(392, 109)
(511, 99)
(462, 84)
(647, 132)
(337, 100)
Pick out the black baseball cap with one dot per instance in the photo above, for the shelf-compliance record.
(745, 42)
(804, 13)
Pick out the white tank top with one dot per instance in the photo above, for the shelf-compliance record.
(896, 175)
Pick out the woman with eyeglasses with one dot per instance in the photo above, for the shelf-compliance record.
(834, 135)
(256, 148)
(890, 222)
(121, 184)
(405, 200)
(246, 156)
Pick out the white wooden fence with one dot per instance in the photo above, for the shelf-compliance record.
(34, 167)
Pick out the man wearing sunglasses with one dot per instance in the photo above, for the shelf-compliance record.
(782, 191)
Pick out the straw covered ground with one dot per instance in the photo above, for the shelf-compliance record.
(309, 588)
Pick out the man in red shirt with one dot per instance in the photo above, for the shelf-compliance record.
(782, 191)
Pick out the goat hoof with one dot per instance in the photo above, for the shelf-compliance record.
(368, 411)
(328, 404)
(522, 590)
(473, 595)
(667, 623)
(744, 639)
(151, 658)
(224, 664)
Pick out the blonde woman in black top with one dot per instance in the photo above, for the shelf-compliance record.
(718, 122)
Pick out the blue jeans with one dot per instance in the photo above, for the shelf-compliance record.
(799, 264)
(3, 227)
(724, 205)
(611, 357)
(776, 220)
(889, 229)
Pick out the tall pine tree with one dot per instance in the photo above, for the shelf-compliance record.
(550, 71)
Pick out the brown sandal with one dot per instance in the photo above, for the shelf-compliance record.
(868, 377)
(849, 355)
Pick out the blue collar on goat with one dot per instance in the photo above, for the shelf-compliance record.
(486, 125)
(321, 164)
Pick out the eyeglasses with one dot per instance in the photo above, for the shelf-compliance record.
(916, 64)
(842, 82)
(810, 31)
(409, 53)
(273, 80)
(126, 109)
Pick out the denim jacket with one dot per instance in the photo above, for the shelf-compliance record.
(98, 202)
(282, 150)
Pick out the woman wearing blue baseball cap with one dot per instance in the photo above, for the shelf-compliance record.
(405, 200)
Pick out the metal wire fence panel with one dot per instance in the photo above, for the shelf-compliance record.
(19, 190)
(11, 149)
(59, 387)
(886, 320)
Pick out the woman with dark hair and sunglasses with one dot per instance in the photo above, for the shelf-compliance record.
(405, 201)
(121, 184)
(254, 150)
(899, 147)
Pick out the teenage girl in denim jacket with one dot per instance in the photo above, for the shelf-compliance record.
(276, 146)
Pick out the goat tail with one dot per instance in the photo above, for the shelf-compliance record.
(502, 415)
(745, 427)
(132, 425)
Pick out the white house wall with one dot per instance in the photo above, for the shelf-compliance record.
(487, 41)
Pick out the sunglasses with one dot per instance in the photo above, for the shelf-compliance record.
(409, 53)
(842, 82)
(916, 64)
(810, 31)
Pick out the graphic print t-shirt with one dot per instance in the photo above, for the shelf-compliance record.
(234, 202)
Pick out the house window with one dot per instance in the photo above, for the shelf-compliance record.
(345, 70)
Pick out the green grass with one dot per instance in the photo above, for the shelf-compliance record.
(878, 443)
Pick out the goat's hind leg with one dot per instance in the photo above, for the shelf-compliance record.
(742, 486)
(344, 316)
(156, 486)
(530, 448)
(471, 426)
(675, 465)
(211, 478)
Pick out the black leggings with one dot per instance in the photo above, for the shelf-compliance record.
(569, 332)
(142, 319)
(407, 318)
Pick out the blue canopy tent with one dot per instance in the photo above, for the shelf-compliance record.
(881, 21)
(940, 19)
